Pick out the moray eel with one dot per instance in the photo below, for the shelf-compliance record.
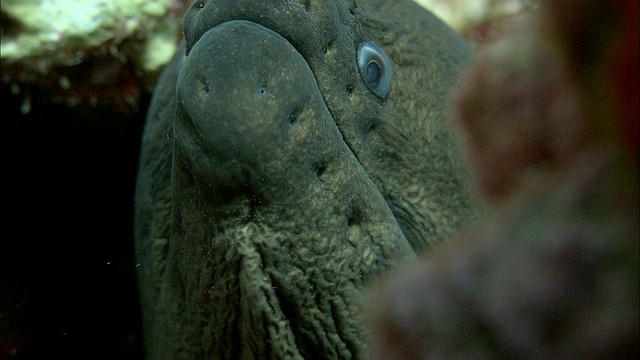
(293, 153)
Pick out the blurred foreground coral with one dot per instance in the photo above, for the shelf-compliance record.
(548, 118)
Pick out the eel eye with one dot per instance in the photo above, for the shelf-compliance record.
(375, 68)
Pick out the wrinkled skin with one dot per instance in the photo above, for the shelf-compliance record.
(274, 186)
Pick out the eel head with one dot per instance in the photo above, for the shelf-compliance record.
(293, 153)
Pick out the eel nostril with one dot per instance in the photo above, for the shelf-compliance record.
(353, 216)
(321, 168)
(371, 126)
(329, 47)
(292, 119)
(350, 89)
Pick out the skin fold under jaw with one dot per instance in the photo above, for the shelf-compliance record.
(277, 182)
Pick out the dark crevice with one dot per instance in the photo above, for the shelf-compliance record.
(329, 46)
(371, 125)
(354, 216)
(320, 169)
(341, 331)
(291, 120)
(353, 7)
(234, 302)
(307, 344)
(67, 242)
(9, 27)
(350, 89)
(266, 345)
(306, 4)
(255, 203)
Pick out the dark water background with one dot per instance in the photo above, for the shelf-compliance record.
(67, 271)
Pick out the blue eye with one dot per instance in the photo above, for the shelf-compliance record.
(375, 68)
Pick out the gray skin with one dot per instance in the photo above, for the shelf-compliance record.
(275, 187)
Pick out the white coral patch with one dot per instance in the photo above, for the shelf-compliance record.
(53, 25)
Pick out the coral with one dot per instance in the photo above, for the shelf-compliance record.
(528, 123)
(88, 53)
(479, 21)
(555, 272)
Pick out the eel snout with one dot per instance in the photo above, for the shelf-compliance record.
(251, 103)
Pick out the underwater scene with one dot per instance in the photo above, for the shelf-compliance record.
(319, 179)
